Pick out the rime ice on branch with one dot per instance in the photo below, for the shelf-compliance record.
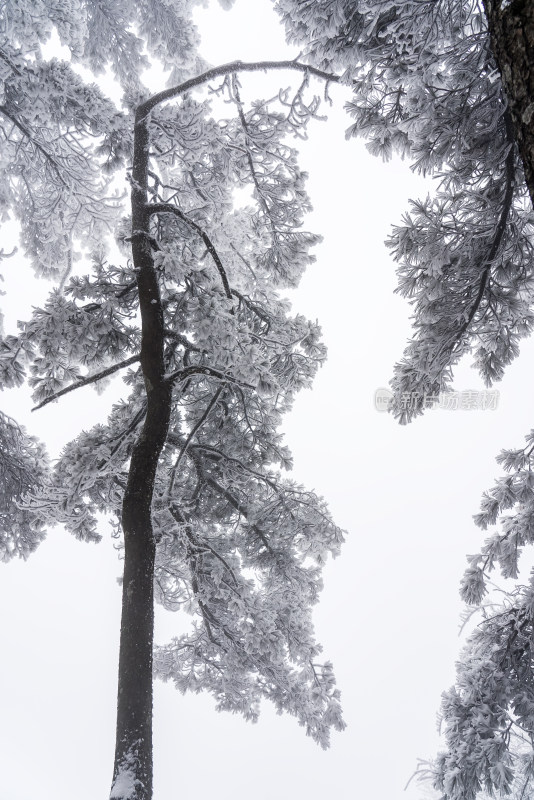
(427, 84)
(191, 463)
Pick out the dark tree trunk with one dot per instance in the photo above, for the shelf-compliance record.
(132, 773)
(511, 29)
(133, 752)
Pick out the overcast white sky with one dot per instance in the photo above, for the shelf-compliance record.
(389, 613)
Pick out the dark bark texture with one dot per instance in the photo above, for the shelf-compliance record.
(133, 753)
(133, 749)
(511, 29)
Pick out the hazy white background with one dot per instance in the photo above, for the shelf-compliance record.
(388, 617)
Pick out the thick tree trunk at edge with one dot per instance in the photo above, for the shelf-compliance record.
(511, 29)
(132, 775)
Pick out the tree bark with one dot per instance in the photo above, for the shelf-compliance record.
(132, 776)
(511, 29)
(133, 770)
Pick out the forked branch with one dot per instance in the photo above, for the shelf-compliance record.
(227, 69)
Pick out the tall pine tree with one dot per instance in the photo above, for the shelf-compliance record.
(189, 466)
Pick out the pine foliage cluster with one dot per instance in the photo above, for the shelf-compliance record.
(239, 544)
(426, 86)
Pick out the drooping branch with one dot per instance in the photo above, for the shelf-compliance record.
(7, 60)
(239, 507)
(498, 235)
(244, 260)
(168, 208)
(22, 128)
(212, 403)
(254, 307)
(200, 543)
(206, 614)
(252, 168)
(88, 379)
(509, 169)
(214, 453)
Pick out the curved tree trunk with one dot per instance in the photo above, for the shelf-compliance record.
(132, 776)
(511, 29)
